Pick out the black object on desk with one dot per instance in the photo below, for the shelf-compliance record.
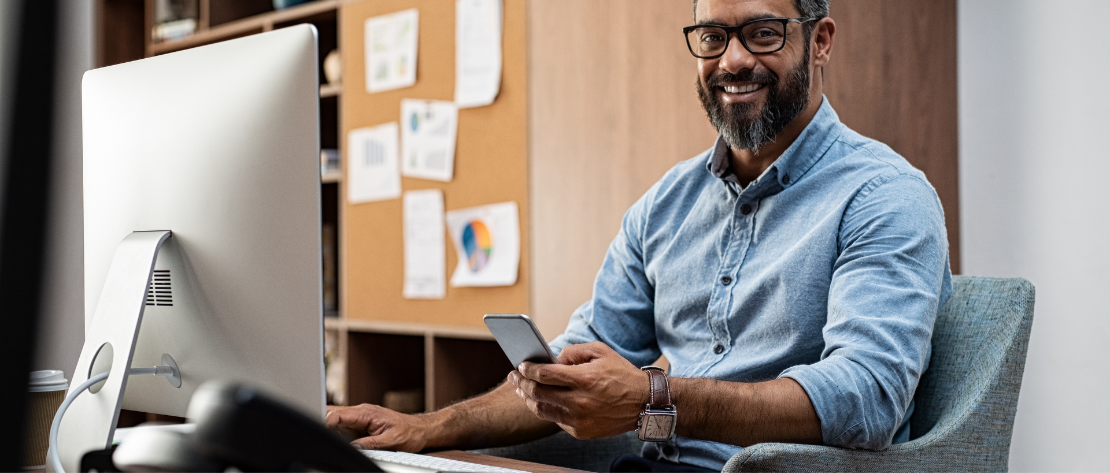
(99, 461)
(238, 426)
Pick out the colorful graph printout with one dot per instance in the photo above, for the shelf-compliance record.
(477, 244)
(487, 244)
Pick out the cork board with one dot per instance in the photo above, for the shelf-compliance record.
(491, 166)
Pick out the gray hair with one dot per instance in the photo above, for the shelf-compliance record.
(807, 8)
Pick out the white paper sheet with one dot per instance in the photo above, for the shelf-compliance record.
(372, 168)
(391, 50)
(425, 245)
(477, 52)
(428, 132)
(487, 242)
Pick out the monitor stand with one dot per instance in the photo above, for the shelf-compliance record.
(110, 338)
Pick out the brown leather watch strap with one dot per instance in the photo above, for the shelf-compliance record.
(660, 397)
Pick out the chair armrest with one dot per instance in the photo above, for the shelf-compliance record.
(917, 455)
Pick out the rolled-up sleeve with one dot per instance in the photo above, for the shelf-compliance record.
(621, 313)
(888, 281)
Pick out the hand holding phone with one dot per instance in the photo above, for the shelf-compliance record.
(519, 338)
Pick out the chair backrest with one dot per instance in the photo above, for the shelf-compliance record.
(970, 391)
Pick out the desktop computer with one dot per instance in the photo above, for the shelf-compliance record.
(203, 263)
(202, 231)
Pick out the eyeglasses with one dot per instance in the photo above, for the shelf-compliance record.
(763, 36)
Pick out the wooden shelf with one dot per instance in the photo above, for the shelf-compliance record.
(403, 328)
(244, 27)
(448, 364)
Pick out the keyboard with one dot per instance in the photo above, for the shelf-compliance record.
(400, 462)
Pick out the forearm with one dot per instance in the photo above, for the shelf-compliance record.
(744, 413)
(494, 419)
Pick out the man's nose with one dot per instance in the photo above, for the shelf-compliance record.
(736, 57)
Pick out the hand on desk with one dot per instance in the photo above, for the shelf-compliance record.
(593, 392)
(378, 428)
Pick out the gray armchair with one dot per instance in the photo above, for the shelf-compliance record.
(964, 405)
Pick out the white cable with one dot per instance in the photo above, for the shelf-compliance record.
(61, 412)
(53, 449)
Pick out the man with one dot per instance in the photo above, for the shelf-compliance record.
(791, 275)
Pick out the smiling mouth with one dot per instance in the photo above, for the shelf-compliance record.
(742, 89)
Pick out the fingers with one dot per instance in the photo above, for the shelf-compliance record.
(332, 419)
(541, 392)
(385, 441)
(369, 443)
(550, 374)
(350, 417)
(567, 373)
(551, 403)
(378, 428)
(545, 411)
(584, 353)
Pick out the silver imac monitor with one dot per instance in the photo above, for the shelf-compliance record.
(211, 155)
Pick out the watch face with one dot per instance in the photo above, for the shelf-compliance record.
(658, 427)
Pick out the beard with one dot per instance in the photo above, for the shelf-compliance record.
(738, 123)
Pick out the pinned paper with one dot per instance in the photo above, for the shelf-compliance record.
(391, 50)
(425, 245)
(477, 52)
(372, 169)
(428, 132)
(487, 242)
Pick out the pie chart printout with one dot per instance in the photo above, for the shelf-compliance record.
(478, 244)
(487, 241)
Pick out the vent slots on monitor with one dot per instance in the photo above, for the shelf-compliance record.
(160, 292)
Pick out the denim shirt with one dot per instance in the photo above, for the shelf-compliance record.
(828, 269)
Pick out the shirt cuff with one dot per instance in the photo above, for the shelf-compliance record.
(850, 417)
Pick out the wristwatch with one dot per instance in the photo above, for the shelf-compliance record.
(657, 420)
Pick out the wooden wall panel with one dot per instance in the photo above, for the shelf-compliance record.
(892, 77)
(613, 106)
(491, 166)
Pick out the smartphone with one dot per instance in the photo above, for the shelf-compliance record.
(519, 338)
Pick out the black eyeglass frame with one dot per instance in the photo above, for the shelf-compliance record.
(731, 30)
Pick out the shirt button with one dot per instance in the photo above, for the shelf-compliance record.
(718, 349)
(726, 280)
(668, 450)
(745, 209)
(786, 179)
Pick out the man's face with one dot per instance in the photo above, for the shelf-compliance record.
(749, 97)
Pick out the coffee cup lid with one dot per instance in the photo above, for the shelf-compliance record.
(47, 380)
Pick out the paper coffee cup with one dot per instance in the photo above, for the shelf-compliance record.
(47, 390)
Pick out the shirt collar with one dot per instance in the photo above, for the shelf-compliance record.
(718, 164)
(802, 154)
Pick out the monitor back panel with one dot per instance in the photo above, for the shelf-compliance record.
(219, 145)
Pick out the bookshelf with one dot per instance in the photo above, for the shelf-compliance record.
(234, 27)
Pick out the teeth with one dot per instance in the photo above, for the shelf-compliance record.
(734, 89)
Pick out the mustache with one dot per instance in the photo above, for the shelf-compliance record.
(747, 75)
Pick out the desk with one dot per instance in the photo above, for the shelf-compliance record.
(501, 462)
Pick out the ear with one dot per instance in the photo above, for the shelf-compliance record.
(822, 39)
